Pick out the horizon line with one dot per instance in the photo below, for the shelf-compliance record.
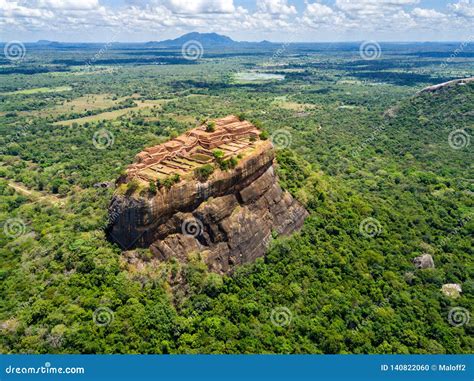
(250, 42)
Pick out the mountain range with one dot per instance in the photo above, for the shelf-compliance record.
(207, 40)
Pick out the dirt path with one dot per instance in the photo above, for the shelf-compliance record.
(34, 195)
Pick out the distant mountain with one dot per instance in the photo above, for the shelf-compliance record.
(205, 39)
(46, 42)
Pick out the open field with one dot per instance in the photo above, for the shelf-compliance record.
(39, 90)
(249, 77)
(294, 106)
(112, 115)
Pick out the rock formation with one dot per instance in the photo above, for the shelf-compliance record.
(451, 290)
(424, 261)
(228, 217)
(440, 86)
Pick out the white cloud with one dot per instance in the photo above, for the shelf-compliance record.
(200, 6)
(364, 9)
(69, 4)
(465, 8)
(13, 9)
(360, 16)
(319, 10)
(430, 14)
(275, 7)
(317, 14)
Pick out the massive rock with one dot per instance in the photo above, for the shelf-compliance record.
(228, 219)
(424, 261)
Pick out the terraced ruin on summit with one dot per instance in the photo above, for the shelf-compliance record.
(195, 148)
(212, 191)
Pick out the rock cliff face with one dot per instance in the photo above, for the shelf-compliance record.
(228, 219)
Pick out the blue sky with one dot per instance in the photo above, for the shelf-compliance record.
(275, 20)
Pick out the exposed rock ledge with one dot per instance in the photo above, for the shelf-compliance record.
(434, 88)
(229, 219)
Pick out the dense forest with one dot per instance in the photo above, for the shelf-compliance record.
(385, 172)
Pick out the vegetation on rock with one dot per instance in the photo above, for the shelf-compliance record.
(203, 173)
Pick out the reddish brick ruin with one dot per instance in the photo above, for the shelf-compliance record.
(194, 148)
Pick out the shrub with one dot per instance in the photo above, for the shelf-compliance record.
(211, 127)
(228, 164)
(152, 187)
(223, 164)
(159, 183)
(132, 186)
(232, 162)
(264, 135)
(171, 180)
(203, 173)
(218, 154)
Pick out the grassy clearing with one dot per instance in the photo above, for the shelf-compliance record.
(34, 195)
(111, 115)
(252, 77)
(39, 90)
(182, 118)
(78, 105)
(293, 106)
(79, 71)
